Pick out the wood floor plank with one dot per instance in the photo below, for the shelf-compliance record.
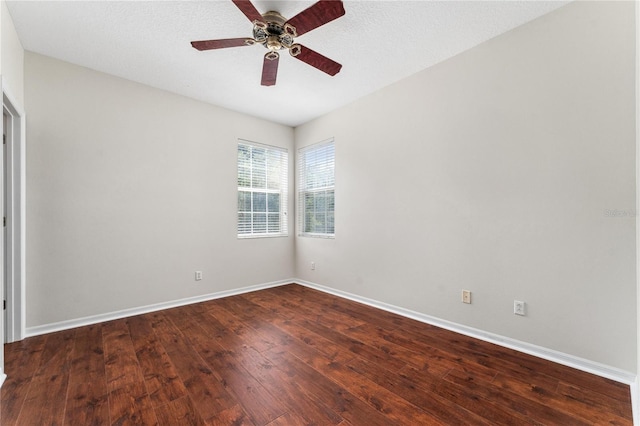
(207, 392)
(367, 391)
(235, 416)
(289, 308)
(87, 357)
(249, 314)
(516, 402)
(129, 401)
(258, 402)
(179, 411)
(253, 314)
(238, 325)
(291, 355)
(370, 334)
(319, 300)
(356, 346)
(447, 411)
(87, 404)
(396, 409)
(288, 334)
(585, 411)
(289, 419)
(594, 398)
(335, 396)
(14, 393)
(45, 402)
(130, 404)
(21, 361)
(354, 330)
(439, 353)
(497, 413)
(87, 395)
(339, 400)
(121, 364)
(160, 375)
(311, 409)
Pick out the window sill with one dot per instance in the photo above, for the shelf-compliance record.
(259, 236)
(325, 236)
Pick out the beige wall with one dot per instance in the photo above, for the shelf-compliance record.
(494, 172)
(12, 58)
(131, 190)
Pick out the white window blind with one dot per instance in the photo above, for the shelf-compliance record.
(316, 190)
(262, 190)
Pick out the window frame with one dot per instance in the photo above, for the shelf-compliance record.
(303, 189)
(283, 191)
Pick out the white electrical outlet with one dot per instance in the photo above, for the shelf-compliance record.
(466, 296)
(313, 266)
(519, 307)
(198, 275)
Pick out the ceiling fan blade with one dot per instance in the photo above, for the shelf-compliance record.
(315, 59)
(318, 14)
(249, 10)
(270, 69)
(222, 43)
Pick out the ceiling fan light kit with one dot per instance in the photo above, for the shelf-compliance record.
(275, 32)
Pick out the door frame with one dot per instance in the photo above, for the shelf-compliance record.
(16, 217)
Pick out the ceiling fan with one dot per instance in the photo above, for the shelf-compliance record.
(276, 33)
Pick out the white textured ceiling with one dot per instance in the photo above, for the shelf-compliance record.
(377, 42)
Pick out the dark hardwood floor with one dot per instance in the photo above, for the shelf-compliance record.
(288, 356)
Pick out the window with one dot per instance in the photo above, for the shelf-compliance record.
(316, 190)
(262, 190)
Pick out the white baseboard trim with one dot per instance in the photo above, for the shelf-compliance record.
(95, 319)
(634, 402)
(592, 367)
(2, 377)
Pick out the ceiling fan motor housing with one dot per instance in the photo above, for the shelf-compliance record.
(274, 33)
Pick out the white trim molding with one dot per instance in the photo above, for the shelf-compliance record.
(634, 401)
(507, 342)
(109, 316)
(635, 394)
(16, 215)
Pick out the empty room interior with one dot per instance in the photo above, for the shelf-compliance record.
(299, 212)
